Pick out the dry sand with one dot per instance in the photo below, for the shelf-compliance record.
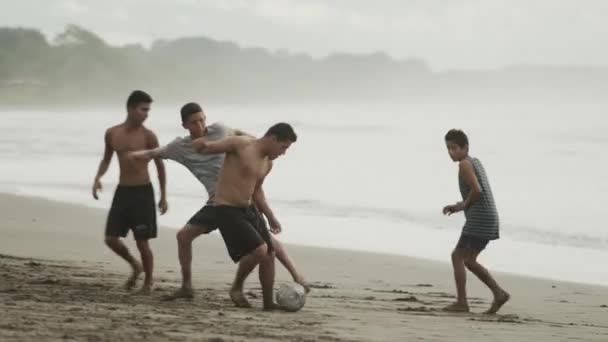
(58, 282)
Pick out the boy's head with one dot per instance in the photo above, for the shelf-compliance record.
(279, 137)
(193, 119)
(138, 106)
(457, 143)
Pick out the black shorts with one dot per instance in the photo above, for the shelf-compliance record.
(133, 207)
(243, 229)
(471, 242)
(206, 217)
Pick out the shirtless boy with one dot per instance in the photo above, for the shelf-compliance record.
(247, 162)
(133, 206)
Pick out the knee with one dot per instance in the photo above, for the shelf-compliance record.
(110, 241)
(261, 251)
(182, 236)
(456, 255)
(470, 263)
(277, 246)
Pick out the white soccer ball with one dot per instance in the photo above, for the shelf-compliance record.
(291, 297)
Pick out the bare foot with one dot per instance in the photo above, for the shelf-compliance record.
(137, 270)
(182, 292)
(498, 302)
(456, 307)
(302, 282)
(239, 299)
(145, 290)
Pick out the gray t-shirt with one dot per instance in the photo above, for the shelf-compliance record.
(205, 167)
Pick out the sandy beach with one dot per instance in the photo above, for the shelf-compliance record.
(58, 282)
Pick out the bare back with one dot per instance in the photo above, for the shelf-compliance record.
(244, 169)
(122, 139)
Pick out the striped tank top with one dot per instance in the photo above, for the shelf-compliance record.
(481, 217)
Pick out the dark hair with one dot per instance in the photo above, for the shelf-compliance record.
(283, 132)
(458, 137)
(189, 109)
(137, 97)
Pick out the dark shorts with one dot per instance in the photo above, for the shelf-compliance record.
(205, 218)
(472, 243)
(133, 207)
(243, 229)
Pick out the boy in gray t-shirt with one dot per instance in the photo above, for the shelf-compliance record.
(206, 168)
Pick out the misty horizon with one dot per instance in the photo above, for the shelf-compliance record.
(463, 34)
(38, 69)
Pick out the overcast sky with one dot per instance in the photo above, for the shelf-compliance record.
(446, 33)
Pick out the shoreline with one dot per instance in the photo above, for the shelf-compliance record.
(440, 264)
(60, 282)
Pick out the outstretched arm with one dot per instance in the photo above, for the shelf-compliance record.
(104, 164)
(145, 155)
(226, 145)
(238, 132)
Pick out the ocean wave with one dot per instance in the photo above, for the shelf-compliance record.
(313, 207)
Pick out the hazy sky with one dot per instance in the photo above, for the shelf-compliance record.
(446, 33)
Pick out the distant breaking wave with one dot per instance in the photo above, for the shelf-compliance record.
(324, 209)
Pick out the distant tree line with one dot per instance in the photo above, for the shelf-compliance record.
(78, 67)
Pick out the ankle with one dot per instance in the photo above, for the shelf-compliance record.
(463, 302)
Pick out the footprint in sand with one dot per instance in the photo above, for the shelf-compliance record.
(499, 319)
(47, 281)
(406, 299)
(441, 295)
(415, 309)
(321, 286)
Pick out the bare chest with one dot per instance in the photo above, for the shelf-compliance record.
(125, 142)
(253, 167)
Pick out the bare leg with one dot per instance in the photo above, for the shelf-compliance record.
(246, 265)
(500, 295)
(120, 249)
(266, 275)
(185, 236)
(286, 261)
(460, 277)
(148, 262)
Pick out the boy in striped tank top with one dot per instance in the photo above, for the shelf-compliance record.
(481, 224)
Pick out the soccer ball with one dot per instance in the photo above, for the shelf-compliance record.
(291, 297)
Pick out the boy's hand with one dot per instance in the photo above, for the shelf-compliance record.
(453, 208)
(163, 206)
(275, 226)
(96, 187)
